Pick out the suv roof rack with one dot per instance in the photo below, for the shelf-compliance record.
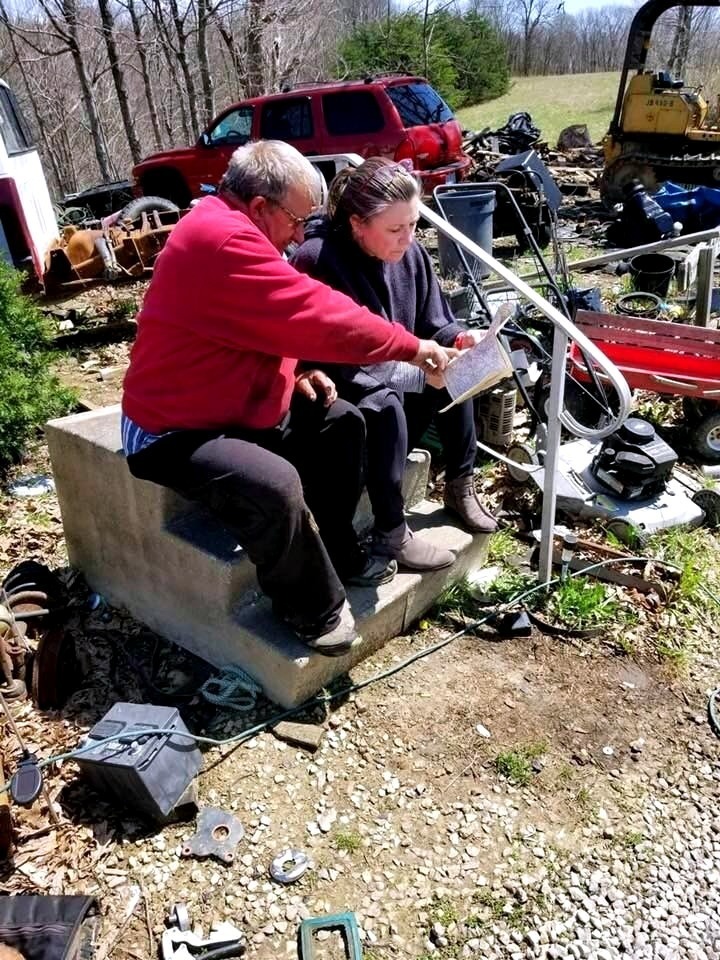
(289, 86)
(302, 84)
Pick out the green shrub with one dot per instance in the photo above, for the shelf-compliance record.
(29, 395)
(462, 56)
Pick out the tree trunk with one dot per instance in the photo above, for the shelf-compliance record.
(681, 42)
(254, 49)
(229, 41)
(184, 65)
(108, 24)
(206, 78)
(147, 82)
(70, 16)
(171, 56)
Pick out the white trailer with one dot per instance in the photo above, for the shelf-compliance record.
(27, 219)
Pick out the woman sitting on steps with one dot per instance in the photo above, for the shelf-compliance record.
(364, 246)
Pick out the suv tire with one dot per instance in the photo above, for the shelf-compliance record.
(168, 184)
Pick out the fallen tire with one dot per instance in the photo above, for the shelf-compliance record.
(136, 208)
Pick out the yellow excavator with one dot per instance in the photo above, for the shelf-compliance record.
(659, 128)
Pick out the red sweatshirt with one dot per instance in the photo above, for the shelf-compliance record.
(224, 322)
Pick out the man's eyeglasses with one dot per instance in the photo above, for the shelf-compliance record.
(297, 221)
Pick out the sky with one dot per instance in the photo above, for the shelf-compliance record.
(575, 6)
(571, 6)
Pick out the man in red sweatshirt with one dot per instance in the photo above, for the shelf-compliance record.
(213, 405)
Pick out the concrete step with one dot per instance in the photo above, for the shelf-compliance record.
(289, 674)
(180, 571)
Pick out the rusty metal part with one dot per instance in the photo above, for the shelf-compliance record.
(33, 583)
(6, 824)
(13, 647)
(117, 251)
(218, 833)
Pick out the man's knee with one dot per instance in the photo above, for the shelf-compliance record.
(282, 490)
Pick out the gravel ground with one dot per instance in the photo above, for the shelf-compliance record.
(612, 847)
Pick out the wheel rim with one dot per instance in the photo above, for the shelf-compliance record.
(713, 439)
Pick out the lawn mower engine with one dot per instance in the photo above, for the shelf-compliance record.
(634, 463)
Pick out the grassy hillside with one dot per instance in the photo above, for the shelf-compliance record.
(553, 103)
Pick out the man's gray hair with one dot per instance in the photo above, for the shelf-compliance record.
(269, 168)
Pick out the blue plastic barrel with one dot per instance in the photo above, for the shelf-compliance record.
(471, 212)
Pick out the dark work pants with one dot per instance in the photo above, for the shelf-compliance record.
(287, 493)
(456, 428)
(397, 427)
(387, 449)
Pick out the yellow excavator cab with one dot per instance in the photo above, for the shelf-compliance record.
(658, 131)
(656, 104)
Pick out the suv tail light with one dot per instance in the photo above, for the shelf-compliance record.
(406, 150)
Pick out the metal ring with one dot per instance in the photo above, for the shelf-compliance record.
(300, 863)
(179, 917)
(628, 304)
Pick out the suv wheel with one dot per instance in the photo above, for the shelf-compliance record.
(168, 184)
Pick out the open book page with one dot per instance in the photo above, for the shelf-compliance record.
(480, 367)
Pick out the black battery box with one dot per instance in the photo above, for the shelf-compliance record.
(149, 773)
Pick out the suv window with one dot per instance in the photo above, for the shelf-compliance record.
(418, 104)
(235, 127)
(355, 111)
(286, 119)
(13, 129)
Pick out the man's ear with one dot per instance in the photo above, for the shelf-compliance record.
(256, 207)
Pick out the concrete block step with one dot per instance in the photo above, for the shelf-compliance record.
(177, 569)
(289, 673)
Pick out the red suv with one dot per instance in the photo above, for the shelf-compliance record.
(396, 116)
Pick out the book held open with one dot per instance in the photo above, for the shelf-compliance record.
(480, 367)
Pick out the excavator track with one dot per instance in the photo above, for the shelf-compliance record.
(651, 169)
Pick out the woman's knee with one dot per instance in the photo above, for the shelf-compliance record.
(347, 418)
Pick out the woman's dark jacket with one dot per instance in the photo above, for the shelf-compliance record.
(407, 292)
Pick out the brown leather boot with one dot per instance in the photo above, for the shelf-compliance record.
(461, 499)
(410, 551)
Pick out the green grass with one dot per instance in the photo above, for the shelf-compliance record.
(347, 840)
(580, 602)
(443, 910)
(511, 583)
(516, 765)
(631, 839)
(456, 598)
(553, 102)
(502, 546)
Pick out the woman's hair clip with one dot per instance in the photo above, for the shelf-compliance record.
(406, 164)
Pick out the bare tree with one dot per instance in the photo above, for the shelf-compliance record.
(108, 29)
(204, 12)
(145, 72)
(63, 16)
(532, 14)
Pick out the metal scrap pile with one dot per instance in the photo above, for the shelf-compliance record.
(125, 244)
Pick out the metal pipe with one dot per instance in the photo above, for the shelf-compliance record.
(589, 348)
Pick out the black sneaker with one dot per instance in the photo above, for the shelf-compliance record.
(336, 639)
(377, 570)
